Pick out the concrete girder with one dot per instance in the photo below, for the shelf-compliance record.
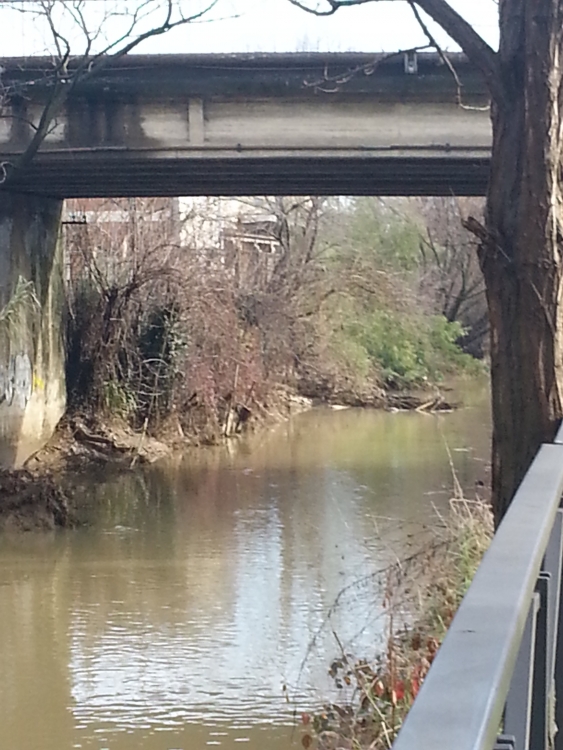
(255, 124)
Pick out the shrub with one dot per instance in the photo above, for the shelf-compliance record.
(409, 350)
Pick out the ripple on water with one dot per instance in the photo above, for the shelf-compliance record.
(180, 626)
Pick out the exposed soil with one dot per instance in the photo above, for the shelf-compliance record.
(36, 497)
(81, 441)
(32, 502)
(39, 497)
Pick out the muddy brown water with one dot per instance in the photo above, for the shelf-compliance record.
(192, 611)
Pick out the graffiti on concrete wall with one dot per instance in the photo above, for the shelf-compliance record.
(16, 381)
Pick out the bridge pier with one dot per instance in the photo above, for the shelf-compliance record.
(32, 354)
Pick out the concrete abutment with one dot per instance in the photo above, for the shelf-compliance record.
(32, 305)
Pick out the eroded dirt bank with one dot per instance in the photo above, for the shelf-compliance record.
(32, 501)
(40, 496)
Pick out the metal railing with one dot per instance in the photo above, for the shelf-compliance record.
(494, 681)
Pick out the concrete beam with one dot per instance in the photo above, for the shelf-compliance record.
(32, 360)
(128, 175)
(241, 124)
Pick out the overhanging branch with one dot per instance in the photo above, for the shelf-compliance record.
(475, 47)
(443, 56)
(68, 72)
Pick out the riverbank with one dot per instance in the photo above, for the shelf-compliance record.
(40, 496)
(33, 502)
(421, 594)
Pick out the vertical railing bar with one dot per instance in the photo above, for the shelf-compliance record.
(557, 699)
(539, 723)
(552, 565)
(518, 711)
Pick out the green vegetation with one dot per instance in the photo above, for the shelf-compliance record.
(386, 318)
(407, 349)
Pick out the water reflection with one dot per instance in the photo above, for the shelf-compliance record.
(175, 619)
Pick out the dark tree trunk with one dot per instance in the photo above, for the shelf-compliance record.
(521, 254)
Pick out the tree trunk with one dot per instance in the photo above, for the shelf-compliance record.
(521, 254)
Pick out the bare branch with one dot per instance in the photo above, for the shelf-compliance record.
(368, 69)
(142, 23)
(474, 46)
(477, 50)
(334, 5)
(443, 56)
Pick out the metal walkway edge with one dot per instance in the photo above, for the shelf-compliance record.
(495, 678)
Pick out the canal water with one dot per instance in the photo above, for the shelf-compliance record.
(197, 608)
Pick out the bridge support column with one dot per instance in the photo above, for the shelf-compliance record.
(32, 357)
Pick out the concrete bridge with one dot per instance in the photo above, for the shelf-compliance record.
(208, 125)
(310, 123)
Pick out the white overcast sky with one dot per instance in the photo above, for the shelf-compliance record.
(274, 26)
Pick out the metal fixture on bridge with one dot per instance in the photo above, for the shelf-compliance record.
(411, 63)
(496, 677)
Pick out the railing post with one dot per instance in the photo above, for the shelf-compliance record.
(505, 742)
(518, 711)
(558, 675)
(552, 565)
(535, 665)
(539, 734)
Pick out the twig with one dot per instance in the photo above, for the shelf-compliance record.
(445, 59)
(367, 69)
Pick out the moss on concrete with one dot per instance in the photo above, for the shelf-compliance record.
(32, 358)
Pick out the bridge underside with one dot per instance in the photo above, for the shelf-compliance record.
(253, 124)
(171, 174)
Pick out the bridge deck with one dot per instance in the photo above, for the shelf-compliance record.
(86, 175)
(254, 124)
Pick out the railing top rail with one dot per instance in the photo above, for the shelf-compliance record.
(461, 702)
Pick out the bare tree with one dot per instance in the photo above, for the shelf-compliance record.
(122, 260)
(521, 240)
(284, 283)
(82, 38)
(157, 323)
(450, 268)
